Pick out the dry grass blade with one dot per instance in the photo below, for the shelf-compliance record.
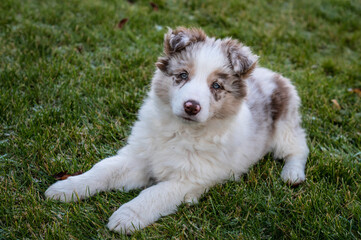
(336, 104)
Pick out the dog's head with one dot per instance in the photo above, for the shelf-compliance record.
(200, 77)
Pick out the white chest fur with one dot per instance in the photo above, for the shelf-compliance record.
(203, 154)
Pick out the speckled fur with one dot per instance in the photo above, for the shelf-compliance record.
(253, 112)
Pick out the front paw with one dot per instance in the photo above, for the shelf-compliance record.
(64, 191)
(293, 174)
(125, 220)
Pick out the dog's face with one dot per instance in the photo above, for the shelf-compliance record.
(200, 77)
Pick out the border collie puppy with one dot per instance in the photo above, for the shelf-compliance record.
(211, 114)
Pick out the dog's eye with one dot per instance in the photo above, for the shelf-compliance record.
(216, 85)
(183, 76)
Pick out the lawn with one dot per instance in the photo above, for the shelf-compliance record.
(72, 80)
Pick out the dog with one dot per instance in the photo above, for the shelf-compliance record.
(211, 113)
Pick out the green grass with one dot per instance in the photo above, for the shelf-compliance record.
(71, 84)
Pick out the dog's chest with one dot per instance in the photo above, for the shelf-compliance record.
(185, 157)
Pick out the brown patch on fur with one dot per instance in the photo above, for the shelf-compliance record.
(239, 88)
(181, 37)
(230, 106)
(181, 64)
(170, 74)
(162, 64)
(249, 72)
(242, 64)
(229, 97)
(175, 41)
(231, 84)
(280, 98)
(217, 93)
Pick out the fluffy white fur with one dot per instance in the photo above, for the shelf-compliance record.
(183, 158)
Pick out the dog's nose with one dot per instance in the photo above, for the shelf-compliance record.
(192, 107)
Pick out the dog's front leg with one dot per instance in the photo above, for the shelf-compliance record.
(152, 203)
(122, 171)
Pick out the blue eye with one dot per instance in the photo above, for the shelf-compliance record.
(216, 85)
(183, 76)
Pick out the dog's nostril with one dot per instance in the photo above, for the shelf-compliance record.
(192, 107)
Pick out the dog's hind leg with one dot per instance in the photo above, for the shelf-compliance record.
(290, 144)
(288, 138)
(122, 171)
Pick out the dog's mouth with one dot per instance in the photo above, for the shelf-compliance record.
(187, 119)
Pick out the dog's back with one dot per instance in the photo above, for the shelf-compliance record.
(274, 105)
(271, 98)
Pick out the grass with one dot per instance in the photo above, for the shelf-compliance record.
(71, 83)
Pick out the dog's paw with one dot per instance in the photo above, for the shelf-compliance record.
(125, 221)
(63, 191)
(293, 174)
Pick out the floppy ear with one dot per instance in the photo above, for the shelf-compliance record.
(176, 40)
(241, 58)
(181, 37)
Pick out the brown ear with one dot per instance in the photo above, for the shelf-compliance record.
(241, 58)
(176, 40)
(181, 37)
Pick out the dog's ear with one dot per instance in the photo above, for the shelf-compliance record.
(241, 58)
(181, 37)
(176, 40)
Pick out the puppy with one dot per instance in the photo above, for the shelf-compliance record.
(211, 114)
